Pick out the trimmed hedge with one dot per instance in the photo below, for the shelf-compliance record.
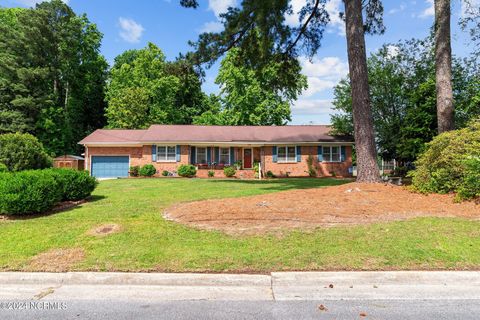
(187, 170)
(229, 172)
(450, 163)
(22, 151)
(147, 170)
(36, 191)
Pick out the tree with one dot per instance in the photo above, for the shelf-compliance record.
(145, 89)
(443, 66)
(52, 75)
(22, 152)
(471, 20)
(263, 23)
(246, 96)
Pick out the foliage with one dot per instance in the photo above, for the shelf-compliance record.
(134, 171)
(22, 152)
(145, 89)
(52, 75)
(187, 170)
(74, 184)
(449, 163)
(3, 167)
(312, 172)
(229, 172)
(30, 191)
(147, 170)
(470, 21)
(403, 98)
(165, 173)
(270, 174)
(211, 173)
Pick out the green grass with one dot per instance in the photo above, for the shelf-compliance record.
(148, 242)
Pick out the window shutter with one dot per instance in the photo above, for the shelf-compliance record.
(299, 154)
(209, 155)
(320, 153)
(342, 153)
(178, 157)
(217, 155)
(154, 152)
(274, 153)
(192, 155)
(232, 155)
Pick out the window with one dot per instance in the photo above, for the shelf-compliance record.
(331, 154)
(287, 154)
(166, 154)
(224, 155)
(201, 155)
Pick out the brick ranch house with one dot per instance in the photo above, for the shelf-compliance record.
(283, 150)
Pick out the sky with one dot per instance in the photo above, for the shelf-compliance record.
(131, 24)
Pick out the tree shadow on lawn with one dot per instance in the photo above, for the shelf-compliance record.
(63, 206)
(288, 183)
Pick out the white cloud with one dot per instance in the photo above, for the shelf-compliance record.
(429, 11)
(220, 6)
(293, 19)
(212, 26)
(131, 31)
(312, 107)
(32, 3)
(322, 73)
(401, 8)
(473, 9)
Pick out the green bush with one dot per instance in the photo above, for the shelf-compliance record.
(211, 174)
(22, 151)
(187, 170)
(165, 173)
(270, 174)
(134, 171)
(3, 168)
(147, 170)
(74, 185)
(229, 172)
(25, 192)
(450, 163)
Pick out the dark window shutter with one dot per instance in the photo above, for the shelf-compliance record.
(209, 155)
(192, 155)
(178, 157)
(217, 155)
(232, 155)
(320, 153)
(343, 153)
(154, 152)
(274, 153)
(299, 154)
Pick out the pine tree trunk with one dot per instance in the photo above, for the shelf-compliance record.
(367, 167)
(443, 66)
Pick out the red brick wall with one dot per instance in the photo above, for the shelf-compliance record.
(300, 169)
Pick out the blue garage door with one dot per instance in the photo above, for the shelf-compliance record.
(109, 166)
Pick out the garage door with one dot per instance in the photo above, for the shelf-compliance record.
(109, 166)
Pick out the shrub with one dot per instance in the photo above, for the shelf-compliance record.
(134, 171)
(22, 151)
(270, 174)
(3, 168)
(74, 185)
(312, 172)
(450, 163)
(187, 170)
(147, 170)
(165, 173)
(211, 174)
(25, 192)
(229, 172)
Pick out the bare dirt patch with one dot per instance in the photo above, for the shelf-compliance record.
(56, 260)
(348, 204)
(104, 229)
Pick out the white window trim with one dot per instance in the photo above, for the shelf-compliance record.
(166, 153)
(286, 154)
(331, 153)
(196, 155)
(220, 155)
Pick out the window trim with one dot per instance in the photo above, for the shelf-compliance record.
(196, 155)
(331, 153)
(279, 160)
(166, 146)
(220, 155)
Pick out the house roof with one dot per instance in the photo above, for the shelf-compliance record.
(202, 134)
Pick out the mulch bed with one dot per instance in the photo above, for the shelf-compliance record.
(348, 204)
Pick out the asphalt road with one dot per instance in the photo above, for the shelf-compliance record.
(333, 309)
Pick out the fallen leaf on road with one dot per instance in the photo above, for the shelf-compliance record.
(363, 314)
(321, 307)
(330, 286)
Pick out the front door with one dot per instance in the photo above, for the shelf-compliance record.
(247, 158)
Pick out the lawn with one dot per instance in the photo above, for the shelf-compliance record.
(147, 242)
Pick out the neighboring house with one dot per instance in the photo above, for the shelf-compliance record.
(69, 161)
(283, 150)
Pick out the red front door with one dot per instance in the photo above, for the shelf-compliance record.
(247, 158)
